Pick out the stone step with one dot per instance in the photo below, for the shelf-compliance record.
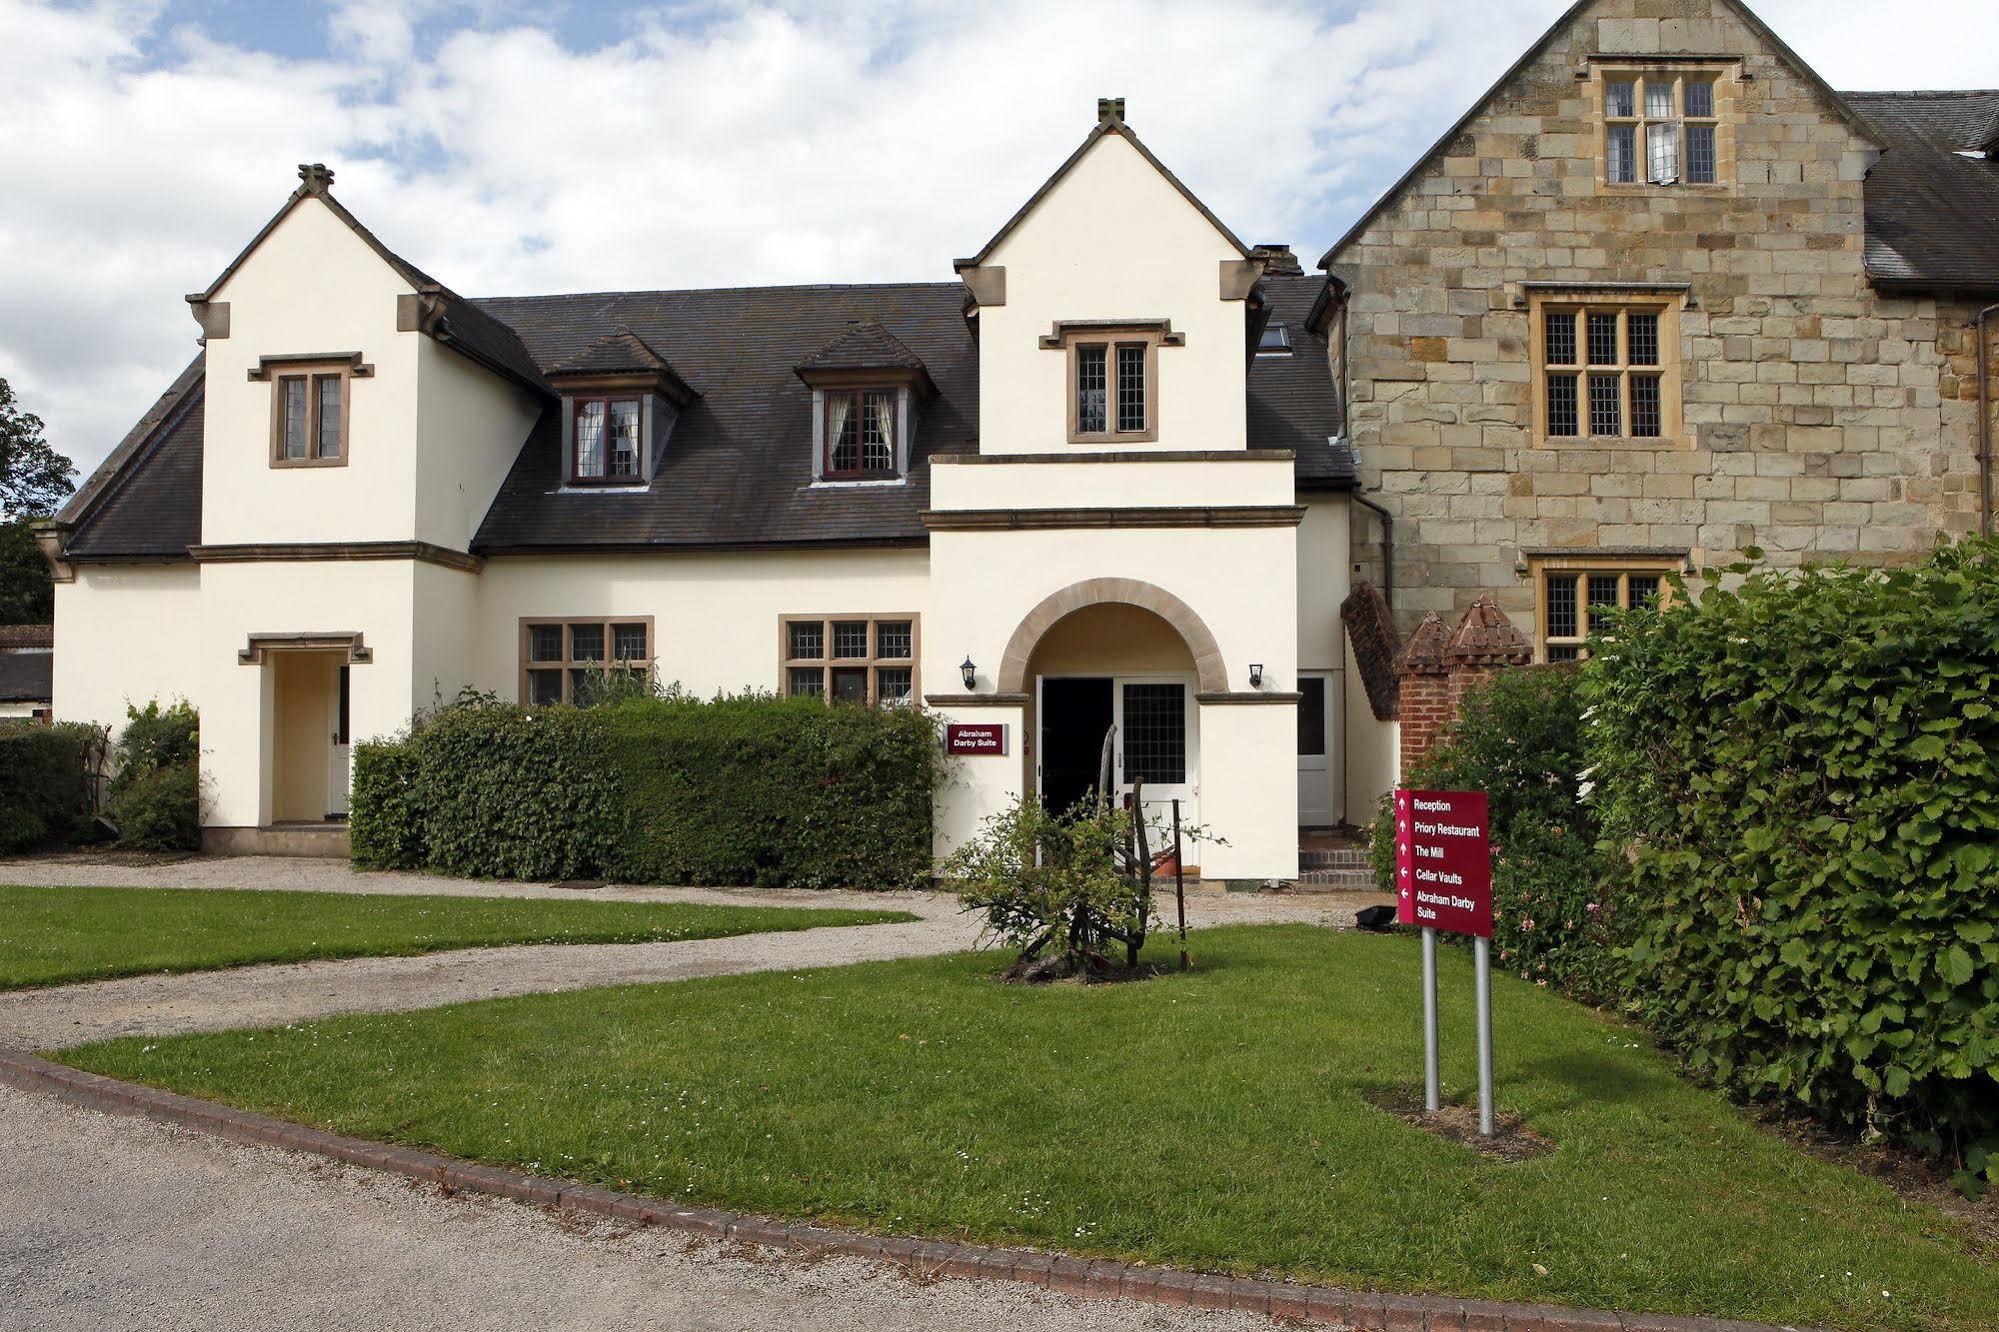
(1336, 881)
(1341, 858)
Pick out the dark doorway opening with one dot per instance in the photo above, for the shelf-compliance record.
(1075, 715)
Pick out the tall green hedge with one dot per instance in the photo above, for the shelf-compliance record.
(45, 780)
(751, 790)
(1802, 773)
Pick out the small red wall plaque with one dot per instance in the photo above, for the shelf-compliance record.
(975, 737)
(1443, 861)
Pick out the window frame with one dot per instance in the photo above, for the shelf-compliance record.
(1580, 567)
(574, 404)
(1112, 338)
(1641, 74)
(568, 662)
(313, 373)
(873, 663)
(1581, 302)
(859, 393)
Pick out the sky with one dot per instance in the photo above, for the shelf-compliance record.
(509, 147)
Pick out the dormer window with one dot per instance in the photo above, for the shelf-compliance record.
(860, 434)
(607, 437)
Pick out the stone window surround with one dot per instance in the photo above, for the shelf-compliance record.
(1667, 302)
(1581, 563)
(1152, 334)
(566, 663)
(1724, 71)
(871, 663)
(311, 367)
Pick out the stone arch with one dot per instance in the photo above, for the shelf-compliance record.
(1208, 662)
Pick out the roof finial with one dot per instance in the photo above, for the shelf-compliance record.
(318, 177)
(1110, 110)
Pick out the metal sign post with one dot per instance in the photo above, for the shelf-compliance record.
(1443, 881)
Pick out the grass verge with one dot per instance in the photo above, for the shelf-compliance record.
(53, 936)
(1218, 1120)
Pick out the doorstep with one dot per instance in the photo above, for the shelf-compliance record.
(326, 840)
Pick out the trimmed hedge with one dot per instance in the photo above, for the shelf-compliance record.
(155, 798)
(45, 780)
(1802, 775)
(751, 790)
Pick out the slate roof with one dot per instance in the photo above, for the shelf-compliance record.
(864, 345)
(737, 471)
(26, 677)
(615, 353)
(1933, 213)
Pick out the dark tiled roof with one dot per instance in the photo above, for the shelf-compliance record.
(144, 501)
(26, 677)
(1932, 213)
(737, 471)
(1964, 119)
(614, 353)
(865, 345)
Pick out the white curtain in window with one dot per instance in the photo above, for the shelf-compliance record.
(838, 408)
(883, 455)
(1658, 98)
(1662, 154)
(590, 439)
(1621, 144)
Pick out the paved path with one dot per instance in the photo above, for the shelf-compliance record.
(113, 1223)
(48, 1019)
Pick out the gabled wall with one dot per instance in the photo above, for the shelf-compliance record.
(1113, 239)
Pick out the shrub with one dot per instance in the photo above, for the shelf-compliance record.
(46, 780)
(1061, 885)
(655, 789)
(161, 810)
(1803, 775)
(1518, 737)
(155, 797)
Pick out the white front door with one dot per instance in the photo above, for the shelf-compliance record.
(1158, 742)
(1315, 746)
(338, 764)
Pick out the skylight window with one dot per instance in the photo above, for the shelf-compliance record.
(1275, 340)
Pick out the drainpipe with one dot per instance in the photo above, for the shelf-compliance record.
(1387, 546)
(1984, 420)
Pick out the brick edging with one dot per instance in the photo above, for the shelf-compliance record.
(1090, 1277)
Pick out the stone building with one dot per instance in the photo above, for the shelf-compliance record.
(1660, 296)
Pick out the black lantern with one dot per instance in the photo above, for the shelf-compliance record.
(970, 674)
(1256, 675)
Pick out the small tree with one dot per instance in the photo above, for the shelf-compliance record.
(1064, 890)
(34, 481)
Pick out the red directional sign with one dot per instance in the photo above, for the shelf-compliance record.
(1443, 861)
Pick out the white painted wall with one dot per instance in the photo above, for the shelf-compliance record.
(470, 426)
(1324, 577)
(312, 287)
(1090, 484)
(1112, 240)
(1373, 750)
(125, 633)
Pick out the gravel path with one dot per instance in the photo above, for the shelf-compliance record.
(49, 1019)
(114, 1223)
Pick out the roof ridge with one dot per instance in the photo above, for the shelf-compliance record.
(1922, 92)
(941, 285)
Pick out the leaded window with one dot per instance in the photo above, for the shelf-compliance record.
(607, 439)
(1602, 372)
(1574, 601)
(855, 659)
(1113, 395)
(309, 416)
(860, 434)
(574, 660)
(1155, 733)
(1660, 127)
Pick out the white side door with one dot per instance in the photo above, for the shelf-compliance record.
(1315, 747)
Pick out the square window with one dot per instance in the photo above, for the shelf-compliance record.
(1644, 588)
(586, 642)
(1658, 98)
(1155, 733)
(895, 685)
(850, 684)
(1620, 98)
(893, 639)
(805, 681)
(1602, 590)
(544, 687)
(1700, 97)
(805, 640)
(850, 638)
(545, 642)
(628, 642)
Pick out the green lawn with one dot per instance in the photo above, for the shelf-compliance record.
(1216, 1120)
(50, 936)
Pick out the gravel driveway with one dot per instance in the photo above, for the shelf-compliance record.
(114, 1223)
(48, 1019)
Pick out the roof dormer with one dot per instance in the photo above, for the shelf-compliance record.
(620, 399)
(867, 386)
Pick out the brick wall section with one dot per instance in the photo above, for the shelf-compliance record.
(1437, 668)
(1821, 418)
(1370, 628)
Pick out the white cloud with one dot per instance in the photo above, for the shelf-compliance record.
(714, 144)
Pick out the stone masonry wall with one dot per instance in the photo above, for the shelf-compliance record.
(1815, 415)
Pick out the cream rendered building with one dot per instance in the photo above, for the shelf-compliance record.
(1094, 486)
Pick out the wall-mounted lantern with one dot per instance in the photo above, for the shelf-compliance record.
(970, 674)
(1256, 675)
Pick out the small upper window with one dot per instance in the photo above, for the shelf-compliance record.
(308, 412)
(606, 435)
(1274, 341)
(1660, 127)
(860, 435)
(1113, 391)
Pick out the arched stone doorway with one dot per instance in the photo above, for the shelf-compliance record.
(1013, 674)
